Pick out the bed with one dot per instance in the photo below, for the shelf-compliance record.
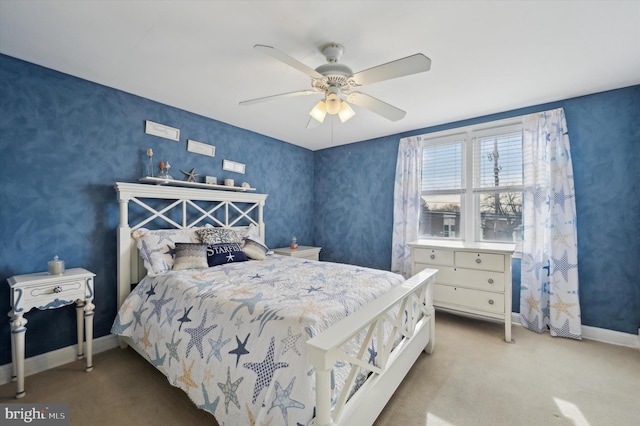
(267, 340)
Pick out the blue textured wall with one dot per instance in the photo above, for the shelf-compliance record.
(354, 202)
(65, 141)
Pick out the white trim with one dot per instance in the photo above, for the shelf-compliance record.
(600, 334)
(464, 131)
(39, 363)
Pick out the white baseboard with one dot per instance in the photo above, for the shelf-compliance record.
(52, 359)
(600, 334)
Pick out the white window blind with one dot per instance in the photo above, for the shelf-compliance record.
(442, 165)
(497, 160)
(472, 184)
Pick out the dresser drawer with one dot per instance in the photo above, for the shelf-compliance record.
(481, 280)
(479, 260)
(417, 267)
(463, 298)
(433, 256)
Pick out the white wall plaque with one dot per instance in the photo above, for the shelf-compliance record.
(201, 148)
(157, 129)
(232, 166)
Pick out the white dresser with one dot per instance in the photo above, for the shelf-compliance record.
(473, 278)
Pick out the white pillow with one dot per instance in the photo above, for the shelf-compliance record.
(254, 250)
(157, 247)
(253, 245)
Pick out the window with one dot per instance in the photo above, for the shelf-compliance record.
(472, 184)
(442, 187)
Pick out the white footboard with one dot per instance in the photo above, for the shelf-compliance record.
(408, 309)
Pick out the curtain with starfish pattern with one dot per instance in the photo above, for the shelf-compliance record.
(406, 203)
(549, 298)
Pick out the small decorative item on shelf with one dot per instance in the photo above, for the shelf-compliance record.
(211, 180)
(229, 182)
(294, 243)
(164, 171)
(191, 176)
(246, 185)
(150, 165)
(56, 266)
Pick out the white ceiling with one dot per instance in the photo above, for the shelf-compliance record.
(487, 56)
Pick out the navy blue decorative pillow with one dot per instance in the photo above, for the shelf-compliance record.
(219, 254)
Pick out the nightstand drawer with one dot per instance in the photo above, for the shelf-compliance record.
(302, 252)
(52, 295)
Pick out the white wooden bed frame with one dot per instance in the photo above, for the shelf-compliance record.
(413, 322)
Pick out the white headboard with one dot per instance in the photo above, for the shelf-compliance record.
(178, 208)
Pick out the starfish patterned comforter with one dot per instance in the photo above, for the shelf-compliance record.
(233, 336)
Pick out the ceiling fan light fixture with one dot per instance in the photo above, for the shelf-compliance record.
(319, 111)
(346, 112)
(333, 102)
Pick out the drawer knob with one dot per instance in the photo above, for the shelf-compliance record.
(491, 301)
(433, 256)
(478, 260)
(57, 289)
(490, 280)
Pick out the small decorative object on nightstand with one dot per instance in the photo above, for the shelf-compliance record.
(56, 266)
(46, 291)
(304, 252)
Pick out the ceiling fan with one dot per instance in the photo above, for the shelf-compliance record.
(336, 81)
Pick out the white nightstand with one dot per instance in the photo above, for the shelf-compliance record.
(46, 291)
(304, 252)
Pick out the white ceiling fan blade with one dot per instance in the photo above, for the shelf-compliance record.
(283, 57)
(402, 67)
(377, 106)
(282, 95)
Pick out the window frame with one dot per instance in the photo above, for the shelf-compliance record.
(470, 216)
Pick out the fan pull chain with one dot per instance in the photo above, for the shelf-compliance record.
(332, 120)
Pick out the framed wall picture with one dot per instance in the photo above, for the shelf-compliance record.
(232, 166)
(161, 130)
(201, 148)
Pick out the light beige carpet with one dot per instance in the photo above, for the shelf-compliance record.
(473, 378)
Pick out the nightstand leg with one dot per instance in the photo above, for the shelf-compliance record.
(18, 332)
(13, 348)
(88, 322)
(80, 327)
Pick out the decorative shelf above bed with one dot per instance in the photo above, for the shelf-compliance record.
(160, 181)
